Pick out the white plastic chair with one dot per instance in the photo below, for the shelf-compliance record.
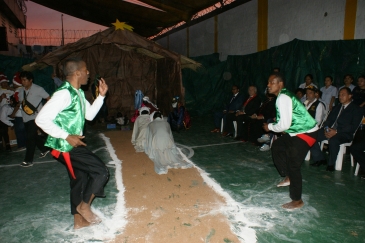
(357, 165)
(340, 154)
(234, 125)
(308, 157)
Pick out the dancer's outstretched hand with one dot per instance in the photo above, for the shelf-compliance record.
(103, 87)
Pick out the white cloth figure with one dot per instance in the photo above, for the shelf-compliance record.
(161, 149)
(139, 130)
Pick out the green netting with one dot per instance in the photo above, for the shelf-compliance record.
(10, 65)
(210, 86)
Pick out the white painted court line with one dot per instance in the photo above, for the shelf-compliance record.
(215, 144)
(234, 211)
(117, 223)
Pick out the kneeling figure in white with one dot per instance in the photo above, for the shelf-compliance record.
(139, 129)
(160, 146)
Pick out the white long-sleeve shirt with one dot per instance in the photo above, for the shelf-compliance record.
(59, 101)
(285, 106)
(320, 111)
(5, 111)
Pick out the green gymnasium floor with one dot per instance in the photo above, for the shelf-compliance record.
(35, 202)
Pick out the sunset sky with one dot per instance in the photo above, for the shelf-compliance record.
(39, 17)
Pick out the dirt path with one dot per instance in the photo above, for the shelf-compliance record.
(177, 207)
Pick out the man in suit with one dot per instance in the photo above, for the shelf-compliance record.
(339, 128)
(248, 108)
(233, 105)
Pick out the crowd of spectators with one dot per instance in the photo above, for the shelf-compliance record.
(338, 112)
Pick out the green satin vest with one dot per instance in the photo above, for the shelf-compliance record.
(302, 121)
(71, 119)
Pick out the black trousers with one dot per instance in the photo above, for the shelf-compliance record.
(33, 140)
(91, 176)
(358, 147)
(240, 125)
(288, 154)
(333, 146)
(5, 134)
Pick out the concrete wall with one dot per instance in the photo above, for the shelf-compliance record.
(237, 30)
(12, 36)
(287, 19)
(360, 20)
(201, 38)
(305, 20)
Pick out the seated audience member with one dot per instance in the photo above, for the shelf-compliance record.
(139, 129)
(160, 146)
(318, 95)
(234, 104)
(176, 117)
(357, 149)
(339, 128)
(248, 108)
(329, 93)
(358, 93)
(300, 94)
(314, 107)
(308, 81)
(276, 70)
(5, 121)
(252, 128)
(348, 80)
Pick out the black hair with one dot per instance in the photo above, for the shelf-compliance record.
(300, 90)
(349, 75)
(348, 90)
(235, 85)
(71, 65)
(278, 76)
(157, 114)
(13, 101)
(308, 75)
(361, 76)
(330, 77)
(26, 74)
(319, 93)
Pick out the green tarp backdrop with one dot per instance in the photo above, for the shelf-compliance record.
(10, 65)
(207, 89)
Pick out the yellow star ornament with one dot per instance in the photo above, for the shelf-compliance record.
(122, 26)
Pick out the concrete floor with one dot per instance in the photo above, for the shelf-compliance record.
(35, 201)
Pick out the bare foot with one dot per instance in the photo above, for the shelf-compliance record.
(80, 222)
(293, 204)
(85, 211)
(285, 182)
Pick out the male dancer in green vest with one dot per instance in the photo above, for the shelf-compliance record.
(63, 118)
(300, 133)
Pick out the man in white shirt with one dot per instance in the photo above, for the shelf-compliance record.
(289, 150)
(33, 94)
(63, 118)
(314, 107)
(348, 79)
(329, 93)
